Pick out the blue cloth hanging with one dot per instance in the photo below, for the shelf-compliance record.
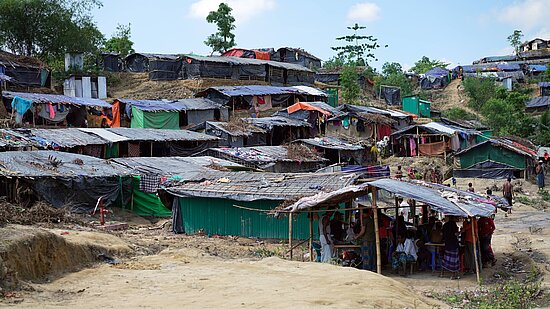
(21, 105)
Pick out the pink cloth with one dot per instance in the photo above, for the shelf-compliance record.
(412, 143)
(51, 110)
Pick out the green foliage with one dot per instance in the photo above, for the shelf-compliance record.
(390, 68)
(457, 113)
(480, 90)
(548, 71)
(360, 48)
(515, 40)
(48, 28)
(120, 42)
(334, 62)
(264, 252)
(392, 75)
(350, 87)
(425, 64)
(524, 200)
(224, 39)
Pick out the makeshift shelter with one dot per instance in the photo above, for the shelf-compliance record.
(297, 56)
(276, 159)
(496, 158)
(280, 129)
(145, 199)
(173, 114)
(362, 123)
(62, 179)
(445, 200)
(400, 118)
(414, 105)
(111, 62)
(240, 135)
(11, 141)
(338, 150)
(315, 113)
(247, 53)
(24, 71)
(159, 63)
(544, 89)
(537, 104)
(39, 108)
(432, 139)
(235, 203)
(435, 78)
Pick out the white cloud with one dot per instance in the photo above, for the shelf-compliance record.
(243, 10)
(364, 12)
(527, 14)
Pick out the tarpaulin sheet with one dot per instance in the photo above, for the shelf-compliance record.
(147, 204)
(67, 138)
(391, 95)
(159, 135)
(437, 72)
(104, 134)
(487, 170)
(306, 106)
(432, 149)
(41, 98)
(175, 105)
(155, 120)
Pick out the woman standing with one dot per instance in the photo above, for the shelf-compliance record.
(451, 259)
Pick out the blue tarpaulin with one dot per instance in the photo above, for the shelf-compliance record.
(437, 72)
(254, 90)
(508, 67)
(538, 68)
(41, 98)
(172, 106)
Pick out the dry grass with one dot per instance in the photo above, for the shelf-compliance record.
(301, 152)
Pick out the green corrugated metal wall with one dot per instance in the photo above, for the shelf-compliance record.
(332, 97)
(496, 154)
(219, 217)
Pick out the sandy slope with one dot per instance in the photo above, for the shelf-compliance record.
(188, 278)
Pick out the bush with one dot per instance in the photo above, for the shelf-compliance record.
(457, 113)
(480, 90)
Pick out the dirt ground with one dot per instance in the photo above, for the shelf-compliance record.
(148, 266)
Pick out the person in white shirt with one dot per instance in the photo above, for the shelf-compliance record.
(406, 251)
(325, 238)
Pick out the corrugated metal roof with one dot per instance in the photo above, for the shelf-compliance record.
(157, 56)
(544, 84)
(223, 126)
(66, 138)
(331, 143)
(194, 104)
(184, 167)
(249, 61)
(538, 102)
(160, 135)
(104, 134)
(40, 163)
(252, 90)
(41, 98)
(277, 121)
(251, 186)
(263, 154)
(505, 143)
(311, 91)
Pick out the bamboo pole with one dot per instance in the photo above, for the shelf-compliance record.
(152, 149)
(376, 232)
(417, 142)
(290, 234)
(474, 236)
(310, 214)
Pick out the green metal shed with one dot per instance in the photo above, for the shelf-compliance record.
(417, 106)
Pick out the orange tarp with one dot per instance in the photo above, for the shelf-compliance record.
(432, 149)
(305, 106)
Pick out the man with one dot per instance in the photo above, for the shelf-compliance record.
(337, 227)
(367, 239)
(399, 173)
(324, 237)
(539, 172)
(486, 229)
(470, 244)
(471, 188)
(508, 192)
(546, 157)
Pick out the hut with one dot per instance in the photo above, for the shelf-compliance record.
(360, 125)
(281, 130)
(435, 78)
(173, 114)
(236, 133)
(315, 113)
(496, 158)
(24, 71)
(297, 56)
(62, 179)
(236, 203)
(111, 62)
(247, 53)
(276, 159)
(223, 68)
(142, 62)
(338, 150)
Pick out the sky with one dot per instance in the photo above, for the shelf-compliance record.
(456, 32)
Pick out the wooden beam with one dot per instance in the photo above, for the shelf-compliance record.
(376, 232)
(310, 214)
(474, 239)
(290, 234)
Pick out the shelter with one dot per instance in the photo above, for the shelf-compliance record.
(39, 108)
(145, 62)
(315, 113)
(361, 122)
(62, 179)
(281, 130)
(297, 56)
(235, 203)
(435, 78)
(276, 159)
(247, 53)
(10, 141)
(432, 139)
(111, 62)
(537, 104)
(414, 105)
(401, 119)
(240, 135)
(496, 158)
(173, 114)
(544, 89)
(85, 86)
(24, 71)
(338, 150)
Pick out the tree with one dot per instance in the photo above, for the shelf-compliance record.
(390, 68)
(48, 28)
(392, 75)
(334, 62)
(480, 90)
(224, 39)
(120, 41)
(350, 87)
(515, 40)
(425, 64)
(457, 113)
(359, 48)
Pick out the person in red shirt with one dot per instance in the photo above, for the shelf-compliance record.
(486, 229)
(469, 244)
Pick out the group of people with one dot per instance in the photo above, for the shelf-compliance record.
(402, 243)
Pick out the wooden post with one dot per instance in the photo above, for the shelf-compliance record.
(376, 232)
(310, 236)
(413, 211)
(474, 236)
(339, 159)
(290, 234)
(396, 221)
(417, 142)
(424, 214)
(152, 148)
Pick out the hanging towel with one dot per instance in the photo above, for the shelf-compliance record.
(345, 123)
(51, 110)
(21, 105)
(412, 143)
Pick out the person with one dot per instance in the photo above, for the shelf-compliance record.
(539, 172)
(469, 244)
(406, 251)
(436, 235)
(367, 238)
(324, 237)
(337, 227)
(399, 173)
(486, 229)
(546, 156)
(508, 192)
(450, 256)
(471, 188)
(399, 227)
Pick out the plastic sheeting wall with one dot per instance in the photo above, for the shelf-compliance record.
(219, 217)
(488, 152)
(158, 120)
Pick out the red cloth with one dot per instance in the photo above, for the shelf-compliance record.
(383, 130)
(467, 226)
(486, 226)
(115, 123)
